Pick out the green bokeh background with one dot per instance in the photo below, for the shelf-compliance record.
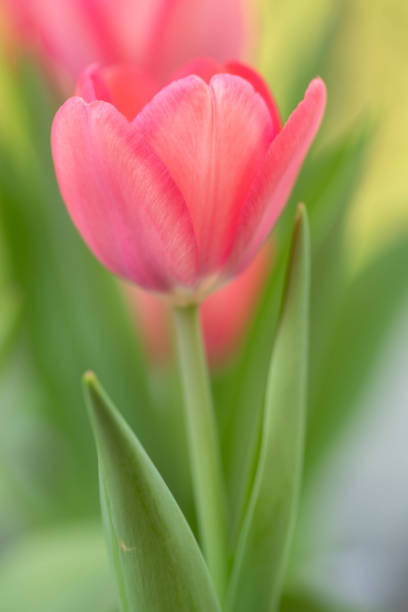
(61, 313)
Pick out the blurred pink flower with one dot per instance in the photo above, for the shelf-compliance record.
(225, 314)
(178, 197)
(157, 35)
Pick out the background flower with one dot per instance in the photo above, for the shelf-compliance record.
(225, 314)
(157, 35)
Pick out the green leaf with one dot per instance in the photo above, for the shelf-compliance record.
(326, 184)
(157, 561)
(241, 392)
(263, 545)
(58, 570)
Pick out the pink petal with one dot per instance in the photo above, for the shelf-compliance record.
(212, 139)
(152, 318)
(121, 197)
(187, 29)
(131, 26)
(272, 186)
(204, 67)
(157, 35)
(226, 313)
(59, 30)
(258, 83)
(125, 86)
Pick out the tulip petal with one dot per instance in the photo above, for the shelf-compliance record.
(128, 29)
(206, 67)
(271, 188)
(60, 30)
(258, 83)
(121, 197)
(157, 35)
(186, 29)
(212, 139)
(126, 86)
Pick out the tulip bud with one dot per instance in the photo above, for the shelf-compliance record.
(178, 196)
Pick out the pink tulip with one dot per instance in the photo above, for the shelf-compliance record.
(179, 196)
(158, 35)
(225, 314)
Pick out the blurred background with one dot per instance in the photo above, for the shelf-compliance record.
(61, 313)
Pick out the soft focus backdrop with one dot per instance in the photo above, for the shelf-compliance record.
(60, 314)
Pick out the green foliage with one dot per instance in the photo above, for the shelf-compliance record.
(240, 393)
(327, 186)
(262, 550)
(73, 314)
(157, 561)
(71, 317)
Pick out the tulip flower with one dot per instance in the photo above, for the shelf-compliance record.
(179, 195)
(225, 314)
(157, 35)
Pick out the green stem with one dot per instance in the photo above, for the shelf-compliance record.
(203, 442)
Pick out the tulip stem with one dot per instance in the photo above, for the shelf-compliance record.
(203, 442)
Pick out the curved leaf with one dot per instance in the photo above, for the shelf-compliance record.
(327, 184)
(157, 560)
(262, 551)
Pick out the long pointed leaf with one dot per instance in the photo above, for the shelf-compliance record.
(262, 551)
(157, 560)
(327, 186)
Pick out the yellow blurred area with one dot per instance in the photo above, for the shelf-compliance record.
(289, 29)
(12, 116)
(372, 56)
(367, 56)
